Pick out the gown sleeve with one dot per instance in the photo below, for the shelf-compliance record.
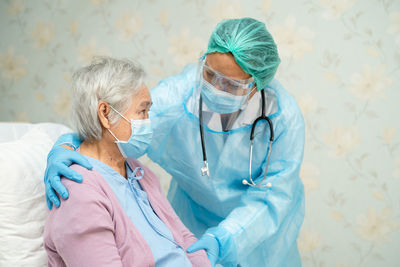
(269, 217)
(167, 97)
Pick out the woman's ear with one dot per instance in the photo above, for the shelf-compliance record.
(103, 109)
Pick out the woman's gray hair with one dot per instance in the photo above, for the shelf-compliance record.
(107, 79)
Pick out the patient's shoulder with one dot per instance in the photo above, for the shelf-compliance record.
(87, 202)
(90, 178)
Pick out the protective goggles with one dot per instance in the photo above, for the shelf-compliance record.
(224, 83)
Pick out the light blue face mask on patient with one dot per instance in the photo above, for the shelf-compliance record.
(139, 141)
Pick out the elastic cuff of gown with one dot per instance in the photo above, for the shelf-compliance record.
(70, 139)
(227, 248)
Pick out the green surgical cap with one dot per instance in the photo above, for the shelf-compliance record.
(252, 46)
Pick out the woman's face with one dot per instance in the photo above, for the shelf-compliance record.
(226, 64)
(139, 110)
(227, 68)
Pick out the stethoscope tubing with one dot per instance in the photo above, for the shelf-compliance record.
(205, 169)
(271, 139)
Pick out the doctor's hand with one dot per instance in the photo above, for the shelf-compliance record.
(210, 244)
(58, 162)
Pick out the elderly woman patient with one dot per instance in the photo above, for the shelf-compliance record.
(118, 216)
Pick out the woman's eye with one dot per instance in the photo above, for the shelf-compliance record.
(210, 75)
(227, 84)
(234, 87)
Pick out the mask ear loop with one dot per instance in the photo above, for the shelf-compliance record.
(251, 91)
(122, 117)
(247, 98)
(113, 135)
(119, 113)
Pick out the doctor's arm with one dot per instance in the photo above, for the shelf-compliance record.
(167, 94)
(58, 161)
(168, 97)
(198, 258)
(270, 216)
(164, 96)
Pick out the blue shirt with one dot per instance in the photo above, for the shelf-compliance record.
(135, 203)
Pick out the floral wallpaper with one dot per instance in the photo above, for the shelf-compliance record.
(340, 59)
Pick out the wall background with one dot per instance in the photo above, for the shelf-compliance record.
(340, 59)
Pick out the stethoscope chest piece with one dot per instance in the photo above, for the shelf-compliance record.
(205, 170)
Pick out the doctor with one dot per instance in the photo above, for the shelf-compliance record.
(235, 178)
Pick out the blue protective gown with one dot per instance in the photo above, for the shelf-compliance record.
(255, 227)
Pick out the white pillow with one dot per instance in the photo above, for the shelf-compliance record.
(23, 208)
(11, 131)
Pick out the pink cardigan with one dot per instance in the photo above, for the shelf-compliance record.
(92, 229)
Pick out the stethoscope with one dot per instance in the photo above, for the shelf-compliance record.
(205, 170)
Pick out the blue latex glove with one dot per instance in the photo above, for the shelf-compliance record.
(70, 139)
(210, 244)
(58, 162)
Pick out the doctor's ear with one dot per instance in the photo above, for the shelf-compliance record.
(103, 110)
